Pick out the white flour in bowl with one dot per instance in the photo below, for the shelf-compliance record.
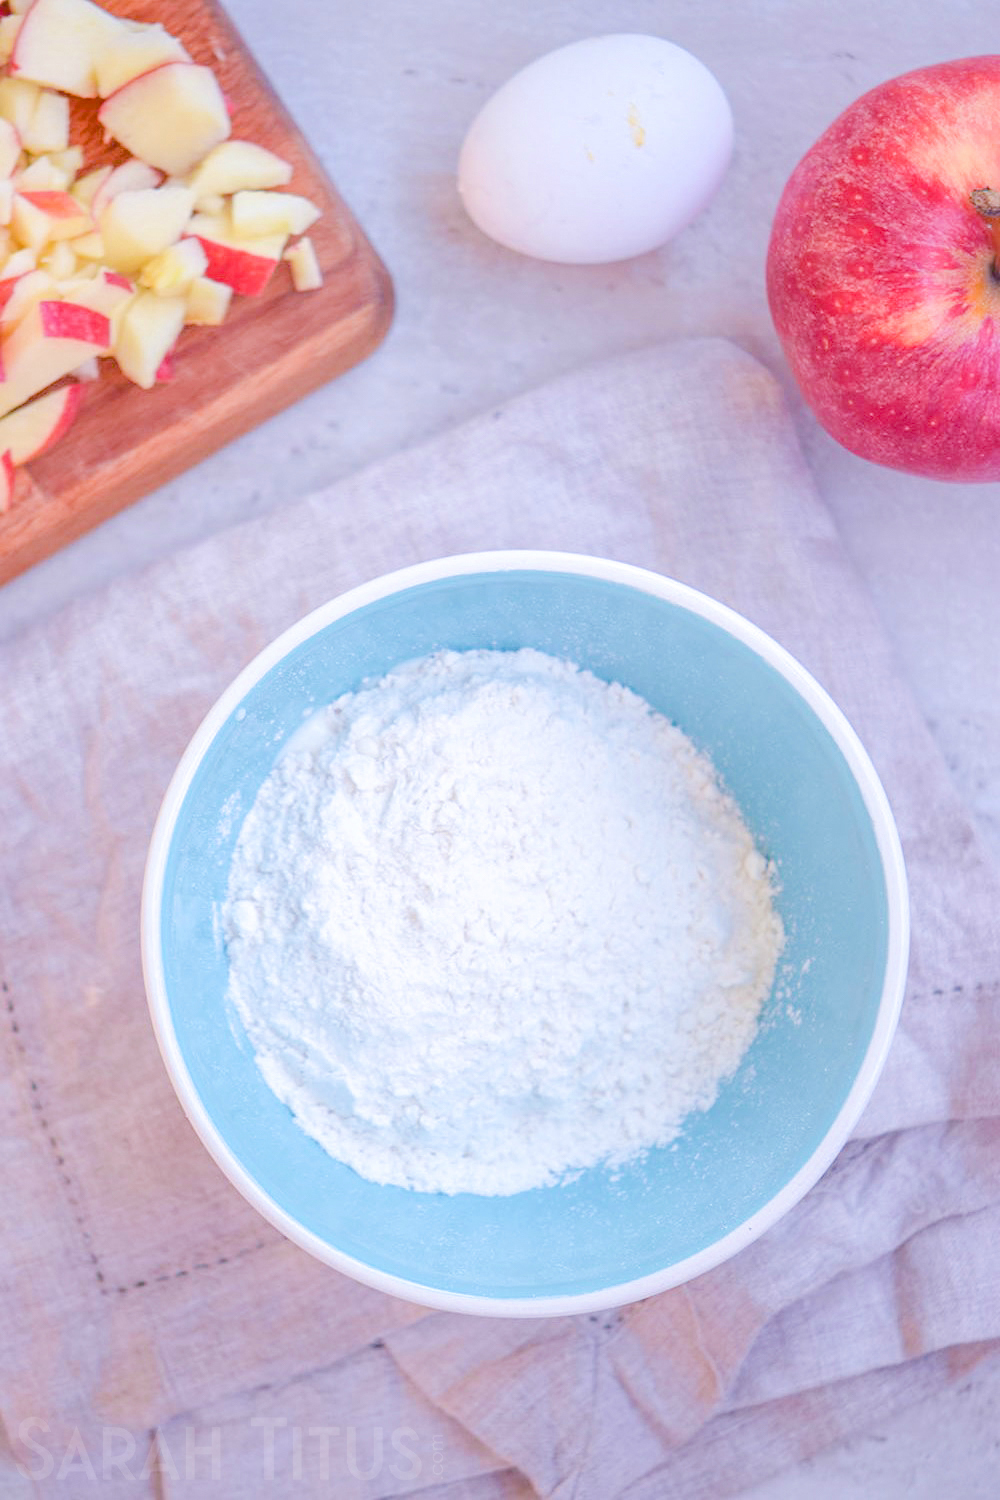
(492, 920)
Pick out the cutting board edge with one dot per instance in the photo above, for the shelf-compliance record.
(374, 318)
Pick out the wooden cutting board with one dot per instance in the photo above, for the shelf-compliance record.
(271, 349)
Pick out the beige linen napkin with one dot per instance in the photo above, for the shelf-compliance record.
(158, 1337)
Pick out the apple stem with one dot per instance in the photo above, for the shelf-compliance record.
(986, 202)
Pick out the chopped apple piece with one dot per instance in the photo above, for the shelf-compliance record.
(59, 260)
(89, 370)
(70, 160)
(9, 27)
(211, 203)
(85, 188)
(10, 148)
(48, 128)
(88, 246)
(133, 50)
(256, 213)
(107, 292)
(18, 101)
(237, 165)
(137, 225)
(207, 302)
(37, 218)
(6, 199)
(169, 117)
(26, 292)
(17, 265)
(43, 174)
(48, 343)
(244, 264)
(148, 331)
(304, 266)
(174, 269)
(59, 42)
(128, 177)
(28, 431)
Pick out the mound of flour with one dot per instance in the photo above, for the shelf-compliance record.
(491, 920)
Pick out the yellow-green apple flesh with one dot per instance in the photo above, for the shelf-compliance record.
(170, 117)
(10, 148)
(883, 275)
(58, 44)
(28, 431)
(50, 341)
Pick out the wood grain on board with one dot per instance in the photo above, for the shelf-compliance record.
(271, 349)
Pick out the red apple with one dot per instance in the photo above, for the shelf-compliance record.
(883, 273)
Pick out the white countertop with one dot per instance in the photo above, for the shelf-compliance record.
(385, 92)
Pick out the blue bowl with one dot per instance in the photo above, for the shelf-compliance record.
(809, 794)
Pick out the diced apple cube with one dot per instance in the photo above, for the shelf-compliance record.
(129, 176)
(148, 331)
(10, 148)
(174, 269)
(139, 224)
(28, 431)
(70, 160)
(255, 213)
(244, 264)
(9, 27)
(237, 165)
(85, 188)
(26, 292)
(169, 117)
(135, 49)
(18, 264)
(59, 260)
(48, 128)
(48, 343)
(207, 302)
(88, 246)
(58, 44)
(211, 203)
(43, 175)
(306, 273)
(6, 199)
(103, 291)
(37, 218)
(18, 100)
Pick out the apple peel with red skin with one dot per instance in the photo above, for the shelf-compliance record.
(882, 275)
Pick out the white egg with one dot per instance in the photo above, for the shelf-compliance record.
(596, 152)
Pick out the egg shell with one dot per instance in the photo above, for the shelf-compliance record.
(598, 151)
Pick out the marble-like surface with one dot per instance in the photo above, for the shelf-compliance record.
(385, 92)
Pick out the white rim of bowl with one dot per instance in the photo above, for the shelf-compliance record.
(897, 951)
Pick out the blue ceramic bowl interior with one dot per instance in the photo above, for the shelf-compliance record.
(802, 802)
